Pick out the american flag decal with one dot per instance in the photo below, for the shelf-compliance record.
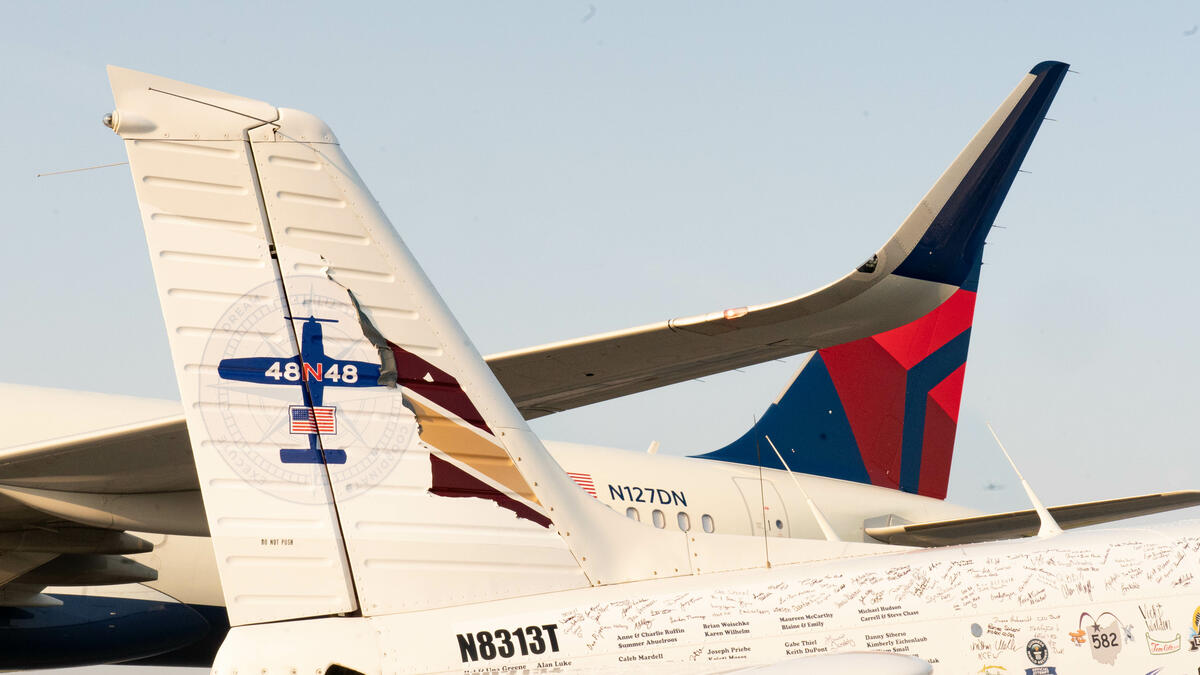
(584, 480)
(319, 419)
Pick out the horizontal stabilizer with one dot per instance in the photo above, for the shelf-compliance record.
(1025, 523)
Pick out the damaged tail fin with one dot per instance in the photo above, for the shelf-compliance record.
(355, 453)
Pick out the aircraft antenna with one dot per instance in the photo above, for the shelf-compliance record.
(826, 528)
(1049, 526)
(86, 168)
(762, 495)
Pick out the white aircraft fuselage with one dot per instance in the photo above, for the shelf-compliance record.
(1079, 602)
(684, 490)
(721, 495)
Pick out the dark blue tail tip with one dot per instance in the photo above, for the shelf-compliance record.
(1048, 66)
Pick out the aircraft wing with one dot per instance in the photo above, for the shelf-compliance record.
(937, 249)
(104, 445)
(116, 462)
(1025, 523)
(139, 448)
(76, 441)
(563, 375)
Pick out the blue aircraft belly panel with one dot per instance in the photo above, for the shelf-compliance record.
(90, 630)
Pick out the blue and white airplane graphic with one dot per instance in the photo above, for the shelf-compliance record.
(312, 370)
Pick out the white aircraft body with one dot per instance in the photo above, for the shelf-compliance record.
(947, 606)
(1042, 605)
(377, 502)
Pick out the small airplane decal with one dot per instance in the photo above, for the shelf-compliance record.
(312, 370)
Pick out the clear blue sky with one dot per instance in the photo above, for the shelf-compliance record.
(573, 167)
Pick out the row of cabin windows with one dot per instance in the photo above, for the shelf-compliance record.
(682, 519)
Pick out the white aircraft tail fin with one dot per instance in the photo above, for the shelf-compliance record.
(355, 452)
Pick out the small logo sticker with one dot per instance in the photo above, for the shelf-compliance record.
(1158, 627)
(1036, 650)
(1195, 639)
(1104, 633)
(1159, 647)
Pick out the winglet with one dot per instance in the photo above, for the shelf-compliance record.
(967, 198)
(883, 408)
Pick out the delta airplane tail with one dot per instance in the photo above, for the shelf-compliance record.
(883, 410)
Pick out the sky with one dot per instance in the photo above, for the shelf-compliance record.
(568, 168)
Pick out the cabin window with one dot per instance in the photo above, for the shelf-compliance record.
(633, 514)
(779, 524)
(685, 522)
(660, 521)
(706, 522)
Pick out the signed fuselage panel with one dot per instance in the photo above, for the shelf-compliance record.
(1081, 602)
